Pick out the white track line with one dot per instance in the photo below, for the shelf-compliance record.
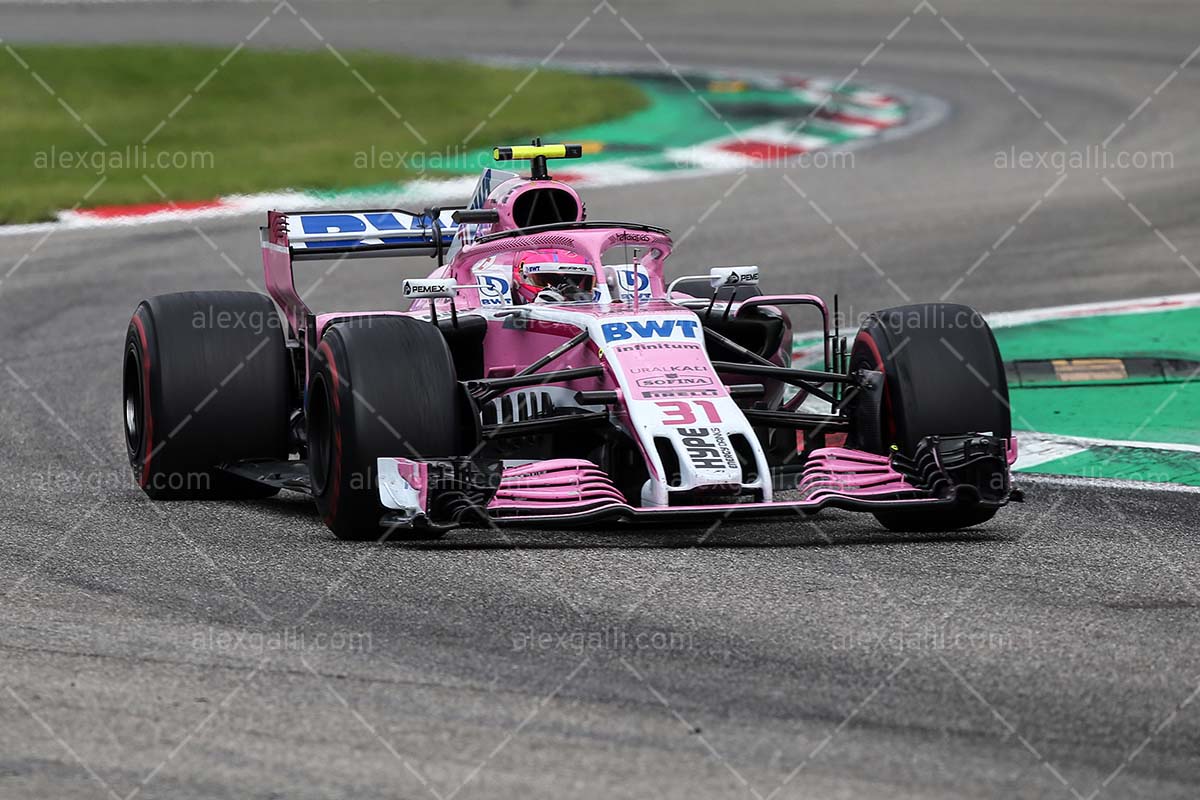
(1088, 442)
(1102, 483)
(1142, 305)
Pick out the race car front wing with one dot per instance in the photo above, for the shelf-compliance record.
(446, 493)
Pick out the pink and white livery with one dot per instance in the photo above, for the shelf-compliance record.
(546, 372)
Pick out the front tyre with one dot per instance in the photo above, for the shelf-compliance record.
(380, 386)
(943, 376)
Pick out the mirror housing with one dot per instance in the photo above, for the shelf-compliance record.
(430, 288)
(720, 277)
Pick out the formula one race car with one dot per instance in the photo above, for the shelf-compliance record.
(546, 373)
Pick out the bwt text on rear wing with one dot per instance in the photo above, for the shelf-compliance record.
(315, 235)
(325, 234)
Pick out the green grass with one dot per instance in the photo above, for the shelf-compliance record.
(265, 120)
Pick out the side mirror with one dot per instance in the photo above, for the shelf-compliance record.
(429, 288)
(719, 277)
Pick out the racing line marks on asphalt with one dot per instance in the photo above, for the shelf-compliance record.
(854, 712)
(1012, 90)
(53, 549)
(1137, 750)
(1141, 106)
(1012, 730)
(846, 237)
(186, 740)
(1146, 221)
(1003, 238)
(515, 732)
(201, 552)
(370, 728)
(694, 730)
(712, 208)
(54, 415)
(63, 744)
(1170, 564)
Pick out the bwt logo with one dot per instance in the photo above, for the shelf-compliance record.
(649, 329)
(493, 290)
(626, 278)
(368, 222)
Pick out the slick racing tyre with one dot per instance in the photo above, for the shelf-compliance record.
(942, 376)
(380, 386)
(205, 382)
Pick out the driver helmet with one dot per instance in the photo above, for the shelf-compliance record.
(552, 276)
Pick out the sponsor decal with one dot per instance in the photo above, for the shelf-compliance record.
(630, 282)
(629, 236)
(652, 394)
(368, 222)
(494, 291)
(733, 276)
(556, 267)
(674, 379)
(386, 226)
(650, 329)
(708, 448)
(429, 288)
(638, 348)
(667, 369)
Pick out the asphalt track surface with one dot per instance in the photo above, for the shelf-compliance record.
(217, 650)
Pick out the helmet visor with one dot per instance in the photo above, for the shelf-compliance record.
(558, 275)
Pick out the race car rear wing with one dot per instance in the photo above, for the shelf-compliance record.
(336, 234)
(291, 236)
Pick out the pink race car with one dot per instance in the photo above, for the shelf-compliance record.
(545, 372)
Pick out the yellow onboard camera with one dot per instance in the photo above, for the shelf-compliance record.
(537, 153)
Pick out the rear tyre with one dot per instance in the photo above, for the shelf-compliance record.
(380, 386)
(205, 381)
(943, 375)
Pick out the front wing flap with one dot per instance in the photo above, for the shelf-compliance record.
(446, 493)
